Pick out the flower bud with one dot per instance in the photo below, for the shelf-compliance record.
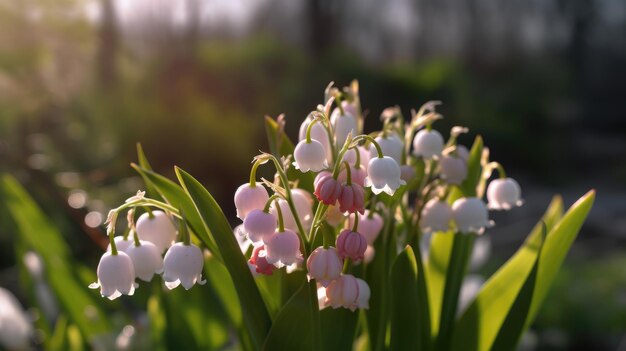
(158, 230)
(391, 146)
(369, 226)
(259, 261)
(342, 125)
(504, 194)
(248, 198)
(470, 215)
(182, 265)
(324, 265)
(345, 291)
(259, 225)
(351, 245)
(283, 248)
(319, 133)
(453, 169)
(310, 156)
(146, 259)
(116, 275)
(327, 189)
(352, 198)
(436, 216)
(383, 175)
(428, 144)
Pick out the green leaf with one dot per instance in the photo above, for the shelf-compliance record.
(280, 145)
(404, 302)
(176, 196)
(40, 235)
(502, 302)
(474, 168)
(255, 315)
(338, 328)
(436, 271)
(292, 328)
(143, 163)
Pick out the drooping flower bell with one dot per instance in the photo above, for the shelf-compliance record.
(146, 259)
(428, 144)
(351, 244)
(370, 225)
(343, 124)
(283, 248)
(324, 265)
(471, 215)
(436, 216)
(319, 133)
(352, 198)
(157, 229)
(453, 169)
(259, 225)
(327, 188)
(358, 175)
(182, 265)
(303, 200)
(116, 275)
(259, 260)
(391, 145)
(383, 175)
(250, 197)
(309, 155)
(348, 292)
(504, 194)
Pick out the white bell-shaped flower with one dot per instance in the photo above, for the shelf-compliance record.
(121, 243)
(116, 275)
(453, 169)
(158, 230)
(16, 329)
(310, 156)
(182, 265)
(146, 259)
(324, 265)
(471, 215)
(504, 194)
(259, 225)
(343, 124)
(462, 152)
(436, 216)
(407, 173)
(248, 198)
(428, 144)
(383, 175)
(391, 146)
(319, 133)
(283, 248)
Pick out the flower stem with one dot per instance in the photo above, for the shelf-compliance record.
(255, 166)
(348, 173)
(281, 223)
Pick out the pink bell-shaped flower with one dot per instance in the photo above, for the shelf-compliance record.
(351, 155)
(383, 175)
(345, 292)
(157, 229)
(351, 245)
(116, 275)
(363, 298)
(352, 198)
(283, 248)
(182, 265)
(327, 189)
(310, 156)
(504, 194)
(428, 144)
(259, 260)
(436, 216)
(358, 175)
(248, 198)
(453, 169)
(259, 225)
(471, 215)
(146, 259)
(369, 225)
(324, 265)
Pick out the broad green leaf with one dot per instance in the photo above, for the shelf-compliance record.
(436, 270)
(175, 196)
(255, 315)
(280, 145)
(338, 328)
(404, 302)
(292, 329)
(502, 300)
(474, 168)
(40, 235)
(218, 278)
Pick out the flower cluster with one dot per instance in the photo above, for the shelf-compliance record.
(138, 254)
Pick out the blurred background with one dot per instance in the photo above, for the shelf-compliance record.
(544, 82)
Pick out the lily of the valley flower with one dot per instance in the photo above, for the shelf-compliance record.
(471, 215)
(348, 292)
(504, 194)
(121, 243)
(248, 198)
(319, 133)
(283, 248)
(352, 198)
(324, 265)
(182, 265)
(391, 146)
(327, 188)
(370, 225)
(259, 261)
(146, 259)
(343, 124)
(309, 155)
(453, 169)
(116, 275)
(436, 216)
(428, 144)
(351, 244)
(259, 225)
(158, 229)
(383, 175)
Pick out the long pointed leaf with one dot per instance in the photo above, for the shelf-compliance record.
(404, 302)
